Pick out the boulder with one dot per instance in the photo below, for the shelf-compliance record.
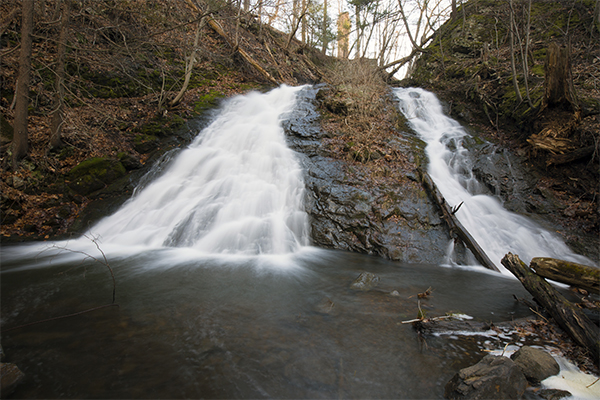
(10, 377)
(94, 174)
(493, 377)
(536, 364)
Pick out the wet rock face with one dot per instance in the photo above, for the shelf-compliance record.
(349, 211)
(493, 377)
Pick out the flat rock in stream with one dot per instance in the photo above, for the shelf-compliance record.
(454, 326)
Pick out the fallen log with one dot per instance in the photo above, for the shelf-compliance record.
(579, 154)
(571, 273)
(566, 314)
(457, 230)
(219, 29)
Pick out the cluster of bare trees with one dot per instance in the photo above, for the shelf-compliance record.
(374, 29)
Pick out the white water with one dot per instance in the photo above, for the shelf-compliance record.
(495, 229)
(237, 189)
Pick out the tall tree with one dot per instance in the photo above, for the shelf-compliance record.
(19, 143)
(343, 25)
(58, 112)
(325, 25)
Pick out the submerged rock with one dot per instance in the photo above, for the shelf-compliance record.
(536, 364)
(493, 377)
(365, 281)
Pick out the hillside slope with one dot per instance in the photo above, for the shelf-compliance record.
(125, 63)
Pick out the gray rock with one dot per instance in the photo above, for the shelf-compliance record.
(493, 377)
(536, 364)
(365, 281)
(10, 377)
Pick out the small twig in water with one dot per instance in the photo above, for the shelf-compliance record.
(60, 317)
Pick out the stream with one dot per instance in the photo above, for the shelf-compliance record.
(221, 295)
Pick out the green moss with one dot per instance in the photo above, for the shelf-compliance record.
(207, 101)
(145, 143)
(94, 174)
(538, 70)
(161, 125)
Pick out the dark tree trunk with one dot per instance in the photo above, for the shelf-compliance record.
(457, 229)
(19, 144)
(558, 86)
(565, 313)
(58, 113)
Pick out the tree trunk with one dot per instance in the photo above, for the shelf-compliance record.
(453, 14)
(571, 273)
(456, 228)
(558, 85)
(324, 33)
(58, 112)
(343, 25)
(19, 144)
(358, 32)
(189, 66)
(566, 314)
(513, 27)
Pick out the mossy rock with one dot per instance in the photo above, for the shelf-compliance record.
(145, 143)
(207, 101)
(94, 174)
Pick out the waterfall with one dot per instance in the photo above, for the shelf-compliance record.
(495, 229)
(237, 189)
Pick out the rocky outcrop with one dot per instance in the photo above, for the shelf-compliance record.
(351, 211)
(494, 377)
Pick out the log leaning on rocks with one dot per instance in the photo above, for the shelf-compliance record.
(571, 273)
(456, 228)
(566, 314)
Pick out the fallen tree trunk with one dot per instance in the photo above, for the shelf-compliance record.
(571, 273)
(217, 28)
(579, 154)
(456, 228)
(566, 314)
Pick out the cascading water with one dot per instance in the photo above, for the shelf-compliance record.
(237, 189)
(495, 229)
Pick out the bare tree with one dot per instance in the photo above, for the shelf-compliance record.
(57, 114)
(19, 144)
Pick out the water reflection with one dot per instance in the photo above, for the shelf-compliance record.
(241, 328)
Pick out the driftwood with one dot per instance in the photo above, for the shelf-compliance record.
(566, 314)
(456, 228)
(571, 273)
